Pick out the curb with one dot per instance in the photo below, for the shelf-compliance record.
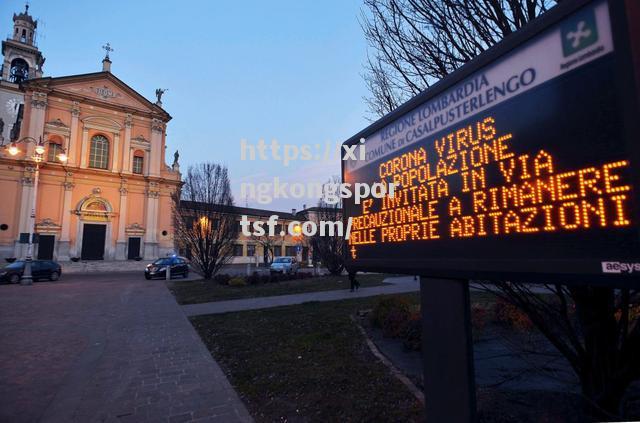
(417, 393)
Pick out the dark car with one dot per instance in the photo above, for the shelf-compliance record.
(158, 269)
(40, 269)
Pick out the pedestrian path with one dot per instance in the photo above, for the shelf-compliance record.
(396, 285)
(93, 348)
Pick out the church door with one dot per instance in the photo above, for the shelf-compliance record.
(93, 237)
(134, 248)
(45, 247)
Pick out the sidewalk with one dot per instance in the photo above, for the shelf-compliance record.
(94, 348)
(398, 285)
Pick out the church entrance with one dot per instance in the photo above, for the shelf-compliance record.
(93, 237)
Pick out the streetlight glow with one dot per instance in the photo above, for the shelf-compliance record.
(27, 277)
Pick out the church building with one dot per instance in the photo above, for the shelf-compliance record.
(103, 187)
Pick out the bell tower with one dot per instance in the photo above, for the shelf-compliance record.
(22, 59)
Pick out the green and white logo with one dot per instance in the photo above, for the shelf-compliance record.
(579, 31)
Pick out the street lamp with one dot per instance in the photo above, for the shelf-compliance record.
(37, 158)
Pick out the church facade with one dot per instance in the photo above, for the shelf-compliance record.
(111, 198)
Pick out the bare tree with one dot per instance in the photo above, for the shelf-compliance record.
(415, 43)
(596, 329)
(268, 243)
(204, 219)
(330, 248)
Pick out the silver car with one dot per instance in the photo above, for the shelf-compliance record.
(284, 265)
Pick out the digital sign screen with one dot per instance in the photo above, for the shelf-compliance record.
(521, 167)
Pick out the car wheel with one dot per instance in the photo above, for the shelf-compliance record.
(147, 277)
(54, 276)
(15, 278)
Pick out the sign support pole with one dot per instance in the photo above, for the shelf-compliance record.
(447, 350)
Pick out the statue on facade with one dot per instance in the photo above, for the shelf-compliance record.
(159, 93)
(176, 157)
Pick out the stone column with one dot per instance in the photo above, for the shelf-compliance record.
(157, 128)
(126, 150)
(64, 244)
(115, 162)
(84, 157)
(121, 242)
(151, 221)
(73, 141)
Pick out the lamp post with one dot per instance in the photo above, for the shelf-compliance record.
(37, 158)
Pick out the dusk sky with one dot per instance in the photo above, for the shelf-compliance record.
(288, 70)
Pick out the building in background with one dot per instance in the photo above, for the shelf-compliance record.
(262, 249)
(112, 199)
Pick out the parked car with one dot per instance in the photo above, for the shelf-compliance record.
(158, 269)
(40, 269)
(284, 265)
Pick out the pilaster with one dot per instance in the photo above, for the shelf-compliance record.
(121, 241)
(84, 155)
(151, 221)
(73, 140)
(157, 129)
(126, 150)
(64, 244)
(36, 122)
(115, 162)
(25, 210)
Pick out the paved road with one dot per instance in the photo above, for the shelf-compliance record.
(103, 348)
(397, 285)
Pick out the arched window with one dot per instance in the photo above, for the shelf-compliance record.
(99, 152)
(55, 148)
(19, 71)
(138, 162)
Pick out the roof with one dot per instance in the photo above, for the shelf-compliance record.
(249, 211)
(319, 209)
(25, 16)
(50, 83)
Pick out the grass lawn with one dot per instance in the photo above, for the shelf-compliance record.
(306, 362)
(195, 292)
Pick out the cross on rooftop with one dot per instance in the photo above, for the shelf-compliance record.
(108, 49)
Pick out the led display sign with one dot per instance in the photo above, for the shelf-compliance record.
(521, 163)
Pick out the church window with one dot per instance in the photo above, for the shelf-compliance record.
(138, 162)
(54, 150)
(99, 152)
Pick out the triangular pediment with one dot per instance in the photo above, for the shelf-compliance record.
(102, 87)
